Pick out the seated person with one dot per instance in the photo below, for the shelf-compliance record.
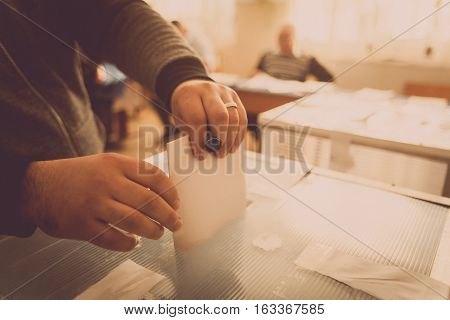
(105, 84)
(201, 45)
(285, 65)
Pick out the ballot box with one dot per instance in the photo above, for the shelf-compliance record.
(289, 206)
(376, 134)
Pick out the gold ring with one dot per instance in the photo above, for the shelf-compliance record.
(231, 105)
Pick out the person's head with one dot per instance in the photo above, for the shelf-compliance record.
(183, 30)
(286, 39)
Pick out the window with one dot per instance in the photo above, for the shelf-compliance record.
(354, 28)
(215, 18)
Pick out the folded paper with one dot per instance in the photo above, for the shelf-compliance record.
(212, 192)
(381, 281)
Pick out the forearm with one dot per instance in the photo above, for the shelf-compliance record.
(148, 49)
(129, 34)
(142, 43)
(320, 72)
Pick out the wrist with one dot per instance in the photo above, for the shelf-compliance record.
(32, 193)
(176, 73)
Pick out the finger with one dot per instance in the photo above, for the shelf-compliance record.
(150, 176)
(243, 122)
(108, 237)
(233, 123)
(131, 220)
(147, 202)
(217, 117)
(194, 124)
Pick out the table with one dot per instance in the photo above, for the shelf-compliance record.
(346, 146)
(409, 228)
(258, 101)
(402, 141)
(262, 92)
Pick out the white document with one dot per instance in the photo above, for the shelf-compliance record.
(128, 281)
(212, 192)
(378, 280)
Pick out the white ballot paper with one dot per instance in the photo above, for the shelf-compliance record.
(212, 192)
(128, 281)
(378, 280)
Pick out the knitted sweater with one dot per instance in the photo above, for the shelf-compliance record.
(45, 112)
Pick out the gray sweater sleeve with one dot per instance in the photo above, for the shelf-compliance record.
(12, 173)
(133, 36)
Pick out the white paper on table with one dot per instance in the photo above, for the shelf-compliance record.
(128, 281)
(378, 280)
(212, 192)
(426, 102)
(374, 94)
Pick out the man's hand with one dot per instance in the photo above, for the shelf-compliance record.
(106, 199)
(197, 104)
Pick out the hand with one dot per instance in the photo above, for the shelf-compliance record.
(102, 199)
(197, 104)
(101, 75)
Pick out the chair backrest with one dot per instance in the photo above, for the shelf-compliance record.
(427, 90)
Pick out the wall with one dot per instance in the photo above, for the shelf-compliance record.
(257, 24)
(388, 75)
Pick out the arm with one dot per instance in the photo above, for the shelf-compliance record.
(319, 71)
(260, 65)
(140, 42)
(129, 34)
(72, 198)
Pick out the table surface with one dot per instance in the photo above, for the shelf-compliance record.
(379, 225)
(267, 84)
(367, 115)
(409, 121)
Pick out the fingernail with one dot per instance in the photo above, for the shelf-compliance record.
(161, 232)
(178, 224)
(202, 155)
(138, 242)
